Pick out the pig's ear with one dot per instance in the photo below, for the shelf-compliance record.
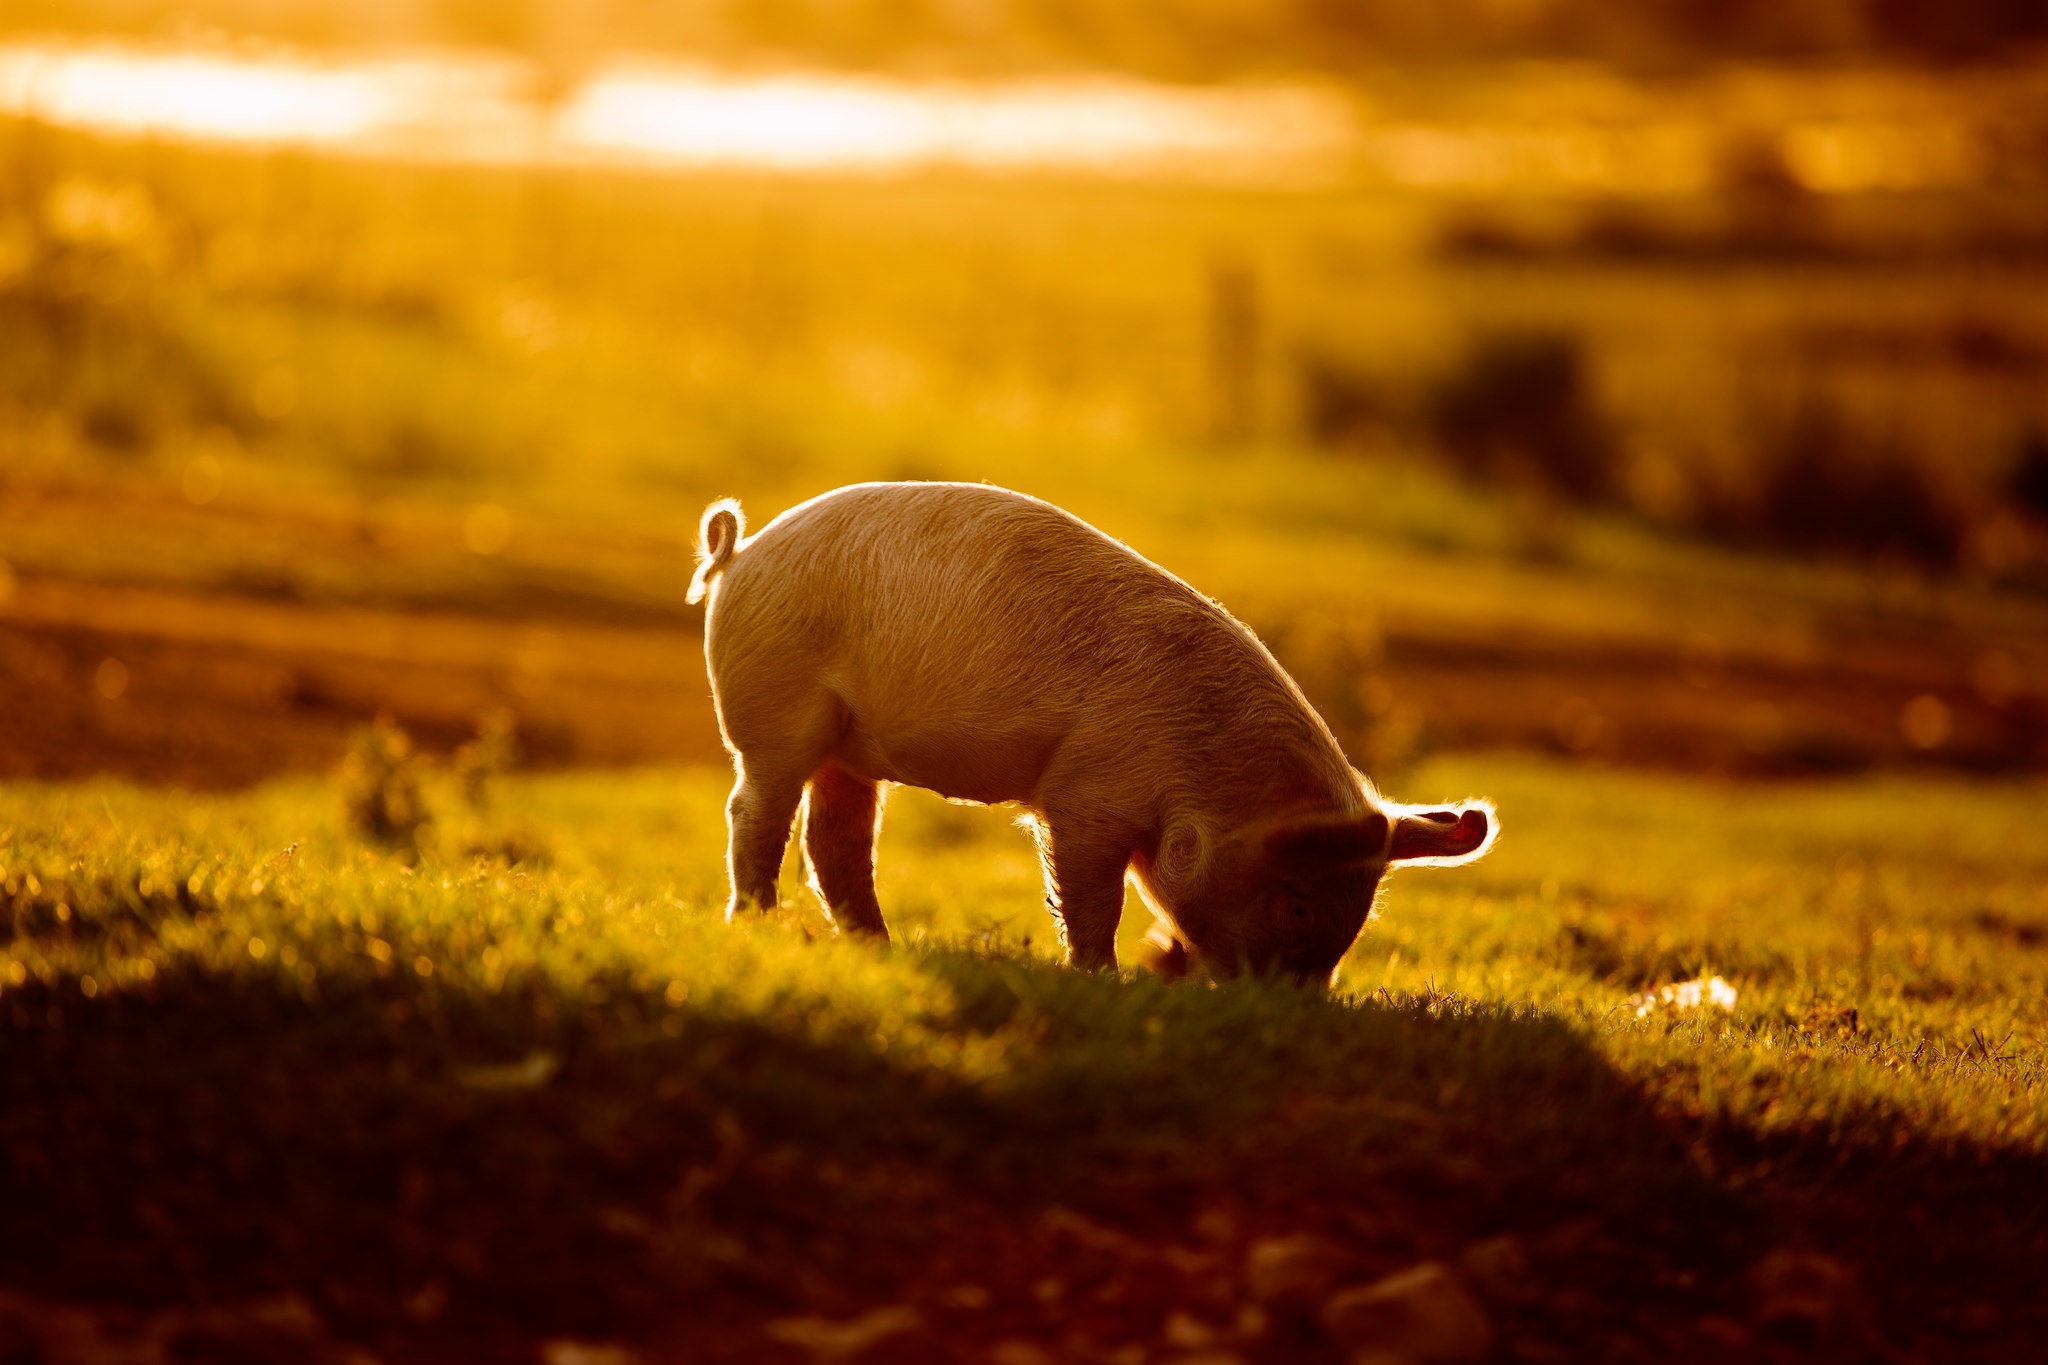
(1341, 842)
(1444, 837)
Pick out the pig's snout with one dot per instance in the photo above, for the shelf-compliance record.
(1308, 966)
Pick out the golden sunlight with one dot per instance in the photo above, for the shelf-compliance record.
(464, 108)
(213, 97)
(455, 107)
(812, 122)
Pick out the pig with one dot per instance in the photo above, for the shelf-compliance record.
(995, 649)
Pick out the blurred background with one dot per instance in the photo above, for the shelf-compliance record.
(1655, 383)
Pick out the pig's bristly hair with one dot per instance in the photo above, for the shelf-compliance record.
(718, 535)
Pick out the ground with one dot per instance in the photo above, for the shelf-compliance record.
(515, 1086)
(325, 1037)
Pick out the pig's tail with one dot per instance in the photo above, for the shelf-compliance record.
(718, 535)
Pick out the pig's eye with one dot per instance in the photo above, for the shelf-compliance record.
(1297, 909)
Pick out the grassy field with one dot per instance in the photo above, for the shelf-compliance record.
(596, 343)
(295, 441)
(287, 442)
(515, 1085)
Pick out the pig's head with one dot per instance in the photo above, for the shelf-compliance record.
(1289, 897)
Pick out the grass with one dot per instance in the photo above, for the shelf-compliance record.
(514, 1083)
(607, 345)
(470, 1103)
(353, 357)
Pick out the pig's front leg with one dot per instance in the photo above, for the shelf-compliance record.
(1084, 887)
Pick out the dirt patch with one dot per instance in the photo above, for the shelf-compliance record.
(212, 689)
(208, 690)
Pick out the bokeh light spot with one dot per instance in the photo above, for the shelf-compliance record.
(86, 211)
(202, 480)
(1994, 673)
(487, 530)
(1926, 722)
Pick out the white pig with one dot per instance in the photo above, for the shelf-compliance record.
(993, 648)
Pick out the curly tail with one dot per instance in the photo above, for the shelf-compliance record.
(718, 535)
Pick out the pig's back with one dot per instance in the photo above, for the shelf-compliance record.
(970, 633)
(963, 584)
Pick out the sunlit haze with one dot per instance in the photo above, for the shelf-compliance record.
(465, 108)
(458, 107)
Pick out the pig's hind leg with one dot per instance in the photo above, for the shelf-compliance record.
(779, 737)
(757, 820)
(841, 815)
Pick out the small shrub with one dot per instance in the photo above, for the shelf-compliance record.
(1339, 402)
(115, 423)
(1518, 412)
(512, 847)
(1234, 343)
(481, 762)
(380, 785)
(2027, 486)
(1825, 487)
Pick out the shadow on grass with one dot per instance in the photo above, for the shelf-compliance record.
(453, 1172)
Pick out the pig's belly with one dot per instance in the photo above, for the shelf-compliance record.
(966, 763)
